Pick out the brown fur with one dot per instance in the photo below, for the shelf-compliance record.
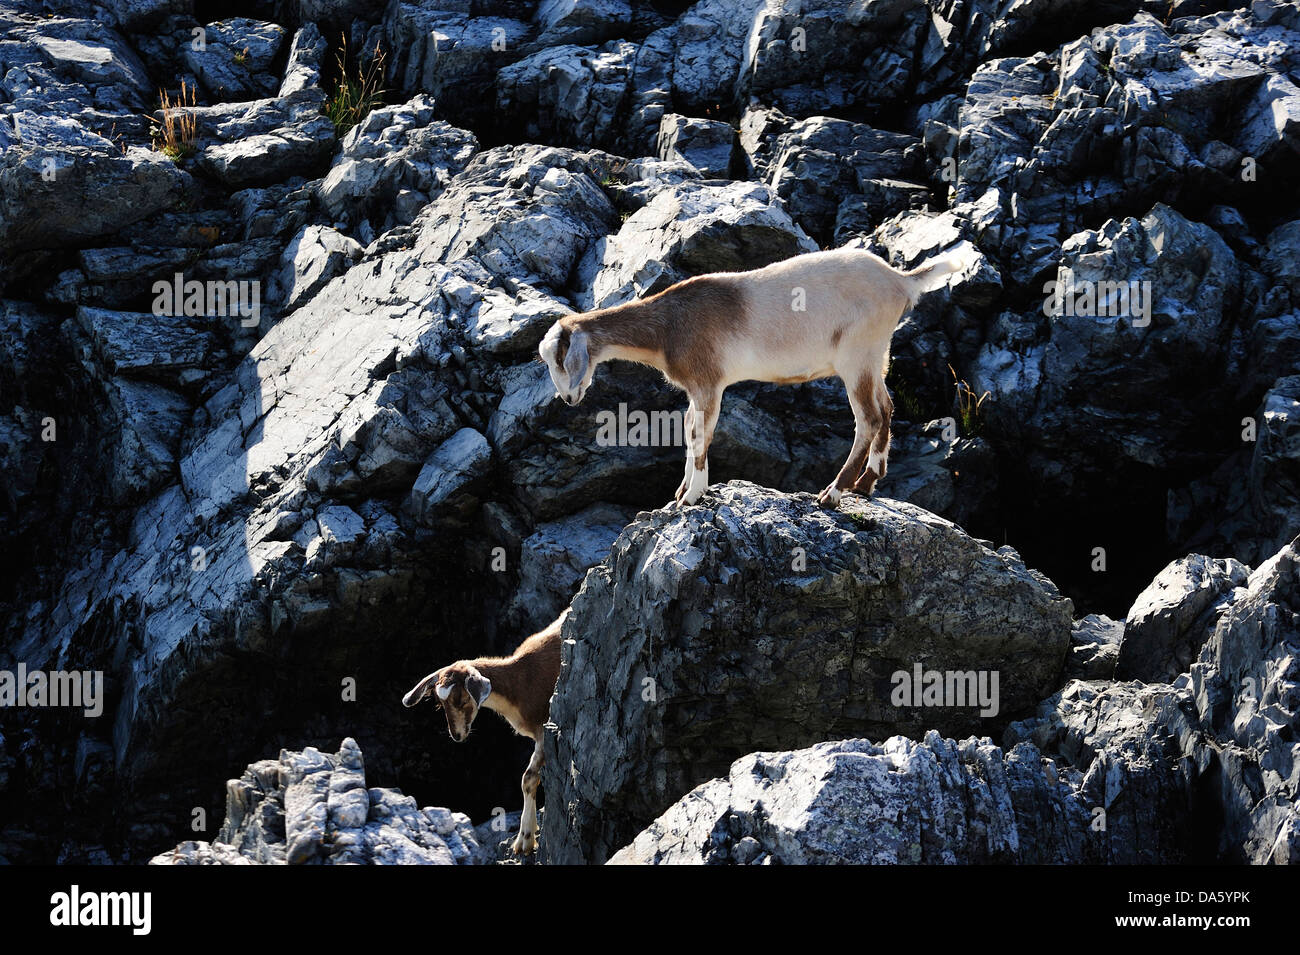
(637, 331)
(520, 676)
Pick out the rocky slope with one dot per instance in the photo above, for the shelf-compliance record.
(263, 513)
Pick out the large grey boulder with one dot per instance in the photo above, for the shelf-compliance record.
(313, 808)
(757, 621)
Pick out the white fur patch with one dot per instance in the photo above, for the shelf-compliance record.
(875, 461)
(698, 483)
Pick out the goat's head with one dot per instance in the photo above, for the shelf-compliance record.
(565, 352)
(460, 690)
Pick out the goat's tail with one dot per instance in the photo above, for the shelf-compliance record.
(930, 276)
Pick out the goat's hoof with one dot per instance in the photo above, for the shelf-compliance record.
(866, 483)
(830, 497)
(524, 846)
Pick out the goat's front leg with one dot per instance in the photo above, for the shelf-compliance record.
(861, 393)
(698, 437)
(526, 842)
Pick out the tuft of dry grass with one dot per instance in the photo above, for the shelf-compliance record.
(357, 92)
(176, 136)
(968, 405)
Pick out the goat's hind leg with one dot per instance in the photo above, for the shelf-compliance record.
(878, 461)
(526, 842)
(865, 425)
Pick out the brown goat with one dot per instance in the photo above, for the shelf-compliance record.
(519, 687)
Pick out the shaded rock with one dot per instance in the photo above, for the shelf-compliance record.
(588, 21)
(1094, 648)
(169, 349)
(264, 141)
(705, 144)
(555, 558)
(451, 55)
(1244, 683)
(62, 185)
(1155, 294)
(824, 167)
(310, 808)
(234, 58)
(757, 621)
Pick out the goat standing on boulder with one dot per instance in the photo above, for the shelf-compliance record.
(811, 316)
(519, 687)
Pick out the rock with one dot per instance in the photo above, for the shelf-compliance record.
(1244, 686)
(312, 258)
(1275, 465)
(590, 21)
(536, 238)
(61, 185)
(902, 802)
(450, 55)
(1156, 294)
(824, 167)
(307, 54)
(310, 808)
(705, 144)
(233, 60)
(757, 621)
(555, 558)
(172, 350)
(689, 230)
(440, 485)
(264, 141)
(393, 151)
(568, 95)
(70, 68)
(1171, 620)
(1270, 125)
(1094, 648)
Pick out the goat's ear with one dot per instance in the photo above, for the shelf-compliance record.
(421, 689)
(550, 343)
(478, 686)
(577, 360)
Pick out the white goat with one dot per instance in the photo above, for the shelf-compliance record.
(519, 687)
(811, 316)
